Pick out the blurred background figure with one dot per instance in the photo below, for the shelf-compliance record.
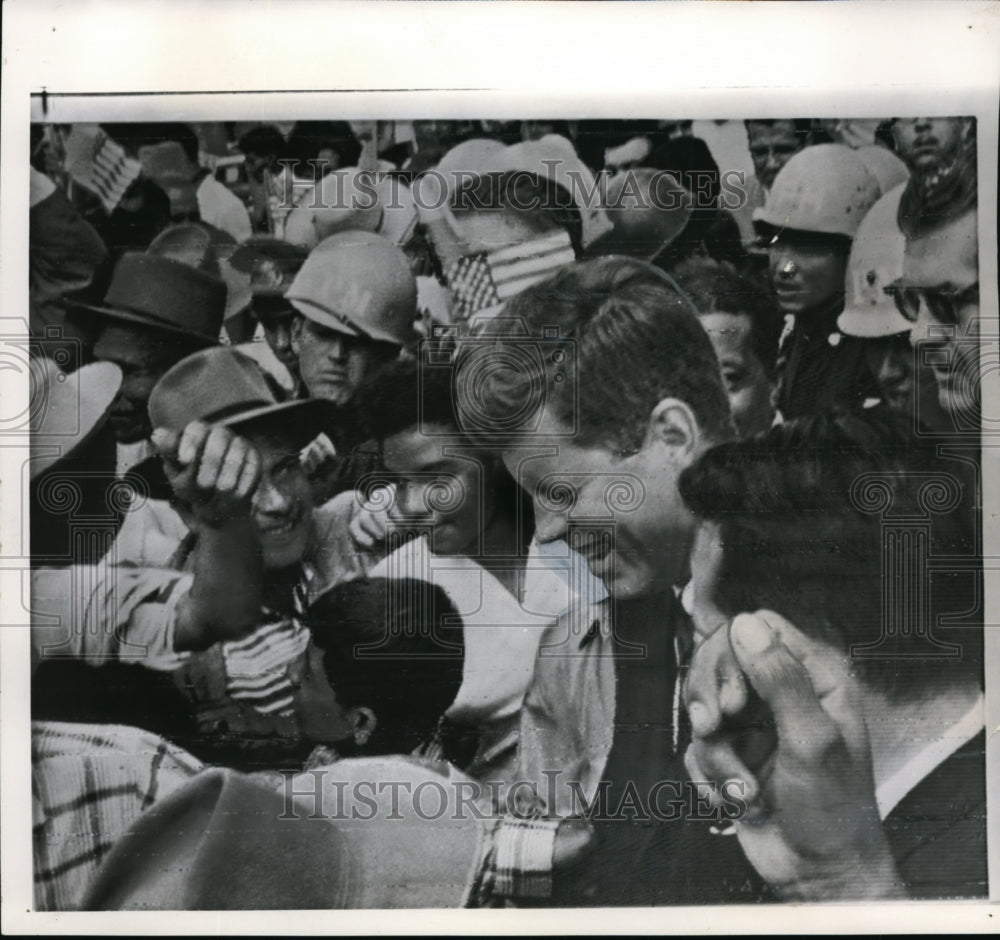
(905, 384)
(743, 322)
(263, 147)
(812, 214)
(271, 265)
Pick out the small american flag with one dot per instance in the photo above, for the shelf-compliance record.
(99, 164)
(487, 279)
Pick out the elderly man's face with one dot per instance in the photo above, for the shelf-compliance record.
(927, 144)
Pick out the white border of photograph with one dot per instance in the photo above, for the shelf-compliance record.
(246, 60)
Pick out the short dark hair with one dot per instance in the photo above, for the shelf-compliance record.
(716, 287)
(395, 646)
(629, 334)
(263, 140)
(400, 395)
(802, 534)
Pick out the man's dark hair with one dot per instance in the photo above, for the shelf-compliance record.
(395, 646)
(715, 287)
(600, 343)
(800, 513)
(265, 140)
(401, 395)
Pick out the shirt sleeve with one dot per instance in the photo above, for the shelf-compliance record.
(516, 861)
(100, 613)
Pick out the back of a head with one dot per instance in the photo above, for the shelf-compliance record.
(804, 510)
(396, 647)
(598, 345)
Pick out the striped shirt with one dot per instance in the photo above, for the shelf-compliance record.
(257, 665)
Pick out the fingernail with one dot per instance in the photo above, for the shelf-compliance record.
(699, 717)
(751, 633)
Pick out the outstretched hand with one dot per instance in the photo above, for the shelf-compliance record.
(213, 471)
(812, 828)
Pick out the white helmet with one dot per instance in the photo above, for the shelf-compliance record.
(825, 189)
(876, 260)
(884, 165)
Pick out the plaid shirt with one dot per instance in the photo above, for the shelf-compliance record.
(89, 783)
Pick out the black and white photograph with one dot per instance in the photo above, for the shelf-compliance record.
(462, 502)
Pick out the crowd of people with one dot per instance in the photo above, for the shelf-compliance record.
(506, 513)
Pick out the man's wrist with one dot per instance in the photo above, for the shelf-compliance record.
(864, 878)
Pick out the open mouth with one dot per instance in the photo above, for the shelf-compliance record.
(282, 530)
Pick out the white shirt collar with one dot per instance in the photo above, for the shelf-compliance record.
(891, 790)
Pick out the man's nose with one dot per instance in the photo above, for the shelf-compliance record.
(921, 326)
(270, 500)
(783, 266)
(409, 503)
(891, 369)
(549, 526)
(337, 348)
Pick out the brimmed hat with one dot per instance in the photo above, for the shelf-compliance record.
(648, 208)
(227, 388)
(208, 249)
(271, 263)
(68, 408)
(166, 295)
(227, 841)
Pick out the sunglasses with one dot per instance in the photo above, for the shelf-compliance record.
(943, 303)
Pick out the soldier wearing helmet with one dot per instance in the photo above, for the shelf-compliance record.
(355, 303)
(876, 261)
(812, 214)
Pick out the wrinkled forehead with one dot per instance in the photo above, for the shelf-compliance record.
(944, 257)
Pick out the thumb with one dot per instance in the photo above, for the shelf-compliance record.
(165, 441)
(779, 678)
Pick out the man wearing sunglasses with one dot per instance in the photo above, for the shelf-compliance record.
(939, 294)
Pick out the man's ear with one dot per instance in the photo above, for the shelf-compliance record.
(298, 324)
(672, 423)
(363, 723)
